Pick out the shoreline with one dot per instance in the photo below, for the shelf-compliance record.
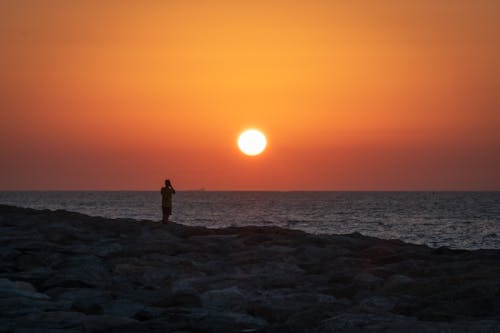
(69, 271)
(459, 221)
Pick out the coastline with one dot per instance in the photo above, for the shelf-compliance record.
(68, 271)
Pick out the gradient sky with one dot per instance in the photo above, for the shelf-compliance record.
(352, 94)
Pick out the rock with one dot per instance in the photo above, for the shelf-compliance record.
(19, 289)
(409, 266)
(29, 261)
(106, 250)
(96, 274)
(36, 328)
(305, 320)
(231, 298)
(11, 307)
(397, 282)
(61, 319)
(103, 323)
(25, 286)
(378, 304)
(9, 255)
(47, 322)
(82, 271)
(149, 297)
(360, 323)
(272, 312)
(63, 233)
(149, 313)
(186, 297)
(326, 299)
(36, 276)
(367, 279)
(225, 322)
(127, 272)
(182, 294)
(367, 282)
(88, 301)
(158, 276)
(122, 308)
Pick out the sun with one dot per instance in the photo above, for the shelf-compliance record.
(252, 142)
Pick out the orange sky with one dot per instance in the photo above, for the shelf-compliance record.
(353, 95)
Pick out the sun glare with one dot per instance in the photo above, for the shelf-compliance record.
(252, 142)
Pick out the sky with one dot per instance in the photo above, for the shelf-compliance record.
(351, 94)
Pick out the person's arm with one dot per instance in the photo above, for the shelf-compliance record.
(173, 190)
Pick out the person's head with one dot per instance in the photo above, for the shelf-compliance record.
(167, 182)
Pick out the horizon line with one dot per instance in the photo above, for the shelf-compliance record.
(245, 190)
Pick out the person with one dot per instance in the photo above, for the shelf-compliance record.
(166, 200)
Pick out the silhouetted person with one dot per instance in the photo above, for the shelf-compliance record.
(166, 200)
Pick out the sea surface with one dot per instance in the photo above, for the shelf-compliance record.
(465, 220)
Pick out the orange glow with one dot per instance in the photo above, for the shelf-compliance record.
(354, 95)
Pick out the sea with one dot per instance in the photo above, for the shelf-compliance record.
(459, 220)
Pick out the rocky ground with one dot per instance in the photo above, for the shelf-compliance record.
(67, 272)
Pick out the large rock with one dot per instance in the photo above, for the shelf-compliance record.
(397, 282)
(82, 271)
(20, 289)
(122, 308)
(184, 297)
(216, 321)
(378, 304)
(104, 323)
(231, 298)
(12, 307)
(88, 301)
(63, 233)
(361, 323)
(107, 249)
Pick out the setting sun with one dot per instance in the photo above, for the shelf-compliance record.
(252, 142)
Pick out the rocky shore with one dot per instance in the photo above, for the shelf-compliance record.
(67, 272)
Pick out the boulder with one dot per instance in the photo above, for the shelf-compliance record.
(366, 283)
(227, 298)
(88, 301)
(29, 261)
(107, 249)
(103, 323)
(81, 271)
(63, 233)
(361, 323)
(16, 306)
(9, 288)
(216, 321)
(397, 282)
(61, 319)
(26, 286)
(157, 276)
(122, 308)
(377, 304)
(185, 297)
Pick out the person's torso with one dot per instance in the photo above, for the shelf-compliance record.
(166, 196)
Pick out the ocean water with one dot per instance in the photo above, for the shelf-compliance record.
(465, 220)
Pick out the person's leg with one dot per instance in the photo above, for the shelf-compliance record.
(167, 211)
(165, 215)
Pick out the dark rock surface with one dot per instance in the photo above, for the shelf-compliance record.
(67, 272)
